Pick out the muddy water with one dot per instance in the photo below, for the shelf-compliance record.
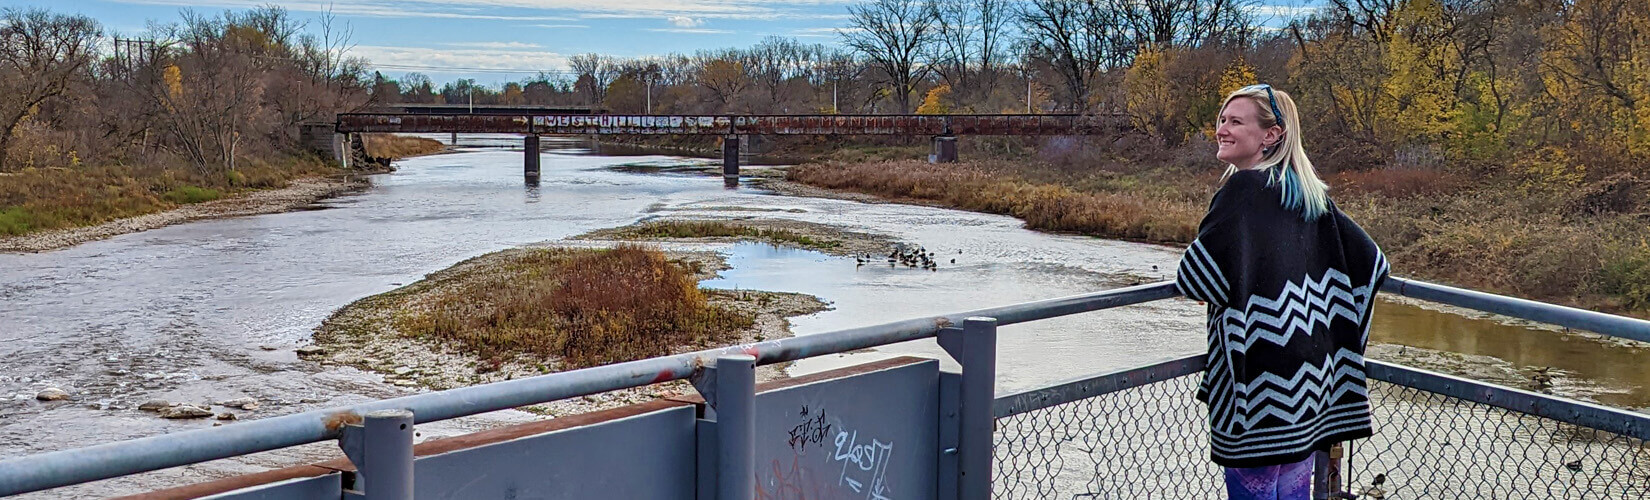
(212, 310)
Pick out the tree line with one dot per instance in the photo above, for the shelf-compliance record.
(1418, 83)
(205, 93)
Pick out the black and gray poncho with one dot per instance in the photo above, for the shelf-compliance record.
(1289, 307)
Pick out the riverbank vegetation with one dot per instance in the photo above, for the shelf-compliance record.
(676, 229)
(1519, 232)
(582, 306)
(399, 146)
(96, 125)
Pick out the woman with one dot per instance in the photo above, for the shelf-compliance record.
(1289, 281)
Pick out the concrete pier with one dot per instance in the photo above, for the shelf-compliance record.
(730, 161)
(945, 149)
(530, 158)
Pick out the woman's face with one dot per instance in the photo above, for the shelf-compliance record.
(1239, 134)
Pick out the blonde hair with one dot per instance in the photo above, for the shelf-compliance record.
(1286, 163)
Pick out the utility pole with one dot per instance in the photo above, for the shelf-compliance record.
(834, 109)
(650, 95)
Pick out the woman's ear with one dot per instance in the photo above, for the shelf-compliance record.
(1274, 137)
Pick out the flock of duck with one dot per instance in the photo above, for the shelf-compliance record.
(913, 256)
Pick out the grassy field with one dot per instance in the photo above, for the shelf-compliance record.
(1531, 229)
(41, 199)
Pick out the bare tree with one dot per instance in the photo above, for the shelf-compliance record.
(1078, 38)
(956, 28)
(1180, 23)
(994, 16)
(892, 34)
(40, 53)
(595, 72)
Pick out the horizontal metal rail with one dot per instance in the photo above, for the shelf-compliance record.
(1581, 319)
(1082, 388)
(67, 467)
(63, 468)
(1626, 423)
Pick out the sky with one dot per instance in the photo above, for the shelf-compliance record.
(495, 41)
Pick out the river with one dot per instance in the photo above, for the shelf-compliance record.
(210, 311)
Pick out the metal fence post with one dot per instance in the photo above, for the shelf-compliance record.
(387, 473)
(736, 427)
(979, 378)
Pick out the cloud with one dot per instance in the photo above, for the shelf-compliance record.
(1283, 11)
(828, 32)
(695, 10)
(684, 21)
(559, 26)
(697, 31)
(494, 45)
(425, 59)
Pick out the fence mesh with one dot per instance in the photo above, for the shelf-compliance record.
(1432, 446)
(1148, 441)
(1151, 441)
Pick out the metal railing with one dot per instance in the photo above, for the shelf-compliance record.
(1042, 437)
(1138, 433)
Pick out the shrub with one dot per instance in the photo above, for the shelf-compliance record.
(191, 194)
(587, 307)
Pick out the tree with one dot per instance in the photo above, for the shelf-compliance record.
(595, 72)
(892, 34)
(1181, 23)
(40, 53)
(1078, 38)
(725, 79)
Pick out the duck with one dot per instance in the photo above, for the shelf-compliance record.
(1542, 379)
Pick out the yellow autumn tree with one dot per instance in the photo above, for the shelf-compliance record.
(1597, 60)
(1148, 97)
(1419, 101)
(172, 76)
(934, 103)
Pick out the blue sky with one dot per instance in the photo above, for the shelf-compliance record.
(491, 40)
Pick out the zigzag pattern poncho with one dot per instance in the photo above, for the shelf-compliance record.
(1289, 307)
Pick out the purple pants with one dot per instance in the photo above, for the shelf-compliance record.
(1274, 482)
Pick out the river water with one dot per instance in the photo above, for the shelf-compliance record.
(210, 311)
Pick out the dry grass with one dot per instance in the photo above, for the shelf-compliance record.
(399, 146)
(992, 187)
(587, 307)
(39, 199)
(1574, 241)
(721, 229)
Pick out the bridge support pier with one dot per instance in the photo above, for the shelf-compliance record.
(730, 161)
(454, 141)
(945, 149)
(530, 158)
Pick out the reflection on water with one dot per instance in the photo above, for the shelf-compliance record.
(1619, 367)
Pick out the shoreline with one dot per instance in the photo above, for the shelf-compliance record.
(298, 194)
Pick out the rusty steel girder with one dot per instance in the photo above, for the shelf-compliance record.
(931, 125)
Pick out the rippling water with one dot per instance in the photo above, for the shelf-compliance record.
(185, 313)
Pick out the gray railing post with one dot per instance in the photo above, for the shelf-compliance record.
(736, 427)
(979, 378)
(382, 450)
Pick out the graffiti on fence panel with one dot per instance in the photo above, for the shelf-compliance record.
(864, 465)
(812, 430)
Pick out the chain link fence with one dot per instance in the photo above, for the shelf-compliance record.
(1428, 445)
(1151, 441)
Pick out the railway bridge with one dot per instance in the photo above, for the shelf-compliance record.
(532, 123)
